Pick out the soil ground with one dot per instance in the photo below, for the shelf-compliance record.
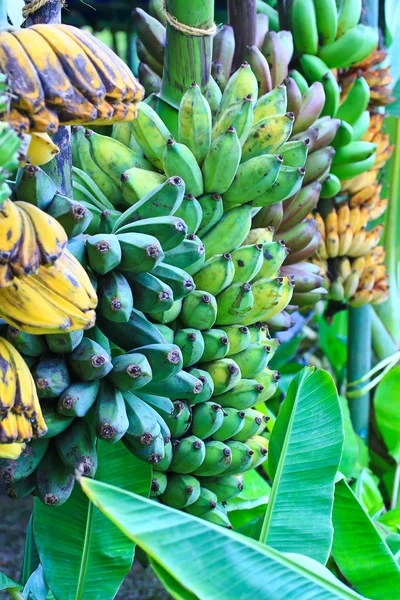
(140, 584)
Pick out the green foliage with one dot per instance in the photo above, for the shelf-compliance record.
(387, 411)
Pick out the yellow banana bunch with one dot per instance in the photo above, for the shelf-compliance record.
(20, 413)
(29, 237)
(56, 299)
(59, 74)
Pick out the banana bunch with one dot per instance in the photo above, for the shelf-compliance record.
(150, 46)
(379, 78)
(332, 34)
(21, 418)
(59, 74)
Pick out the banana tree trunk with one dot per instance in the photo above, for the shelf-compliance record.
(60, 168)
(242, 16)
(187, 57)
(358, 364)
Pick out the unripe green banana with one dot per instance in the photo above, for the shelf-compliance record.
(55, 422)
(239, 338)
(225, 374)
(167, 316)
(199, 310)
(222, 161)
(104, 252)
(150, 293)
(207, 419)
(191, 343)
(77, 448)
(189, 454)
(272, 103)
(294, 153)
(274, 254)
(62, 343)
(181, 385)
(143, 426)
(212, 211)
(161, 201)
(73, 216)
(245, 394)
(165, 359)
(163, 464)
(89, 361)
(234, 304)
(33, 185)
(130, 372)
(253, 360)
(116, 300)
(158, 484)
(153, 453)
(219, 515)
(169, 230)
(110, 418)
(217, 273)
(13, 471)
(189, 255)
(161, 404)
(51, 376)
(231, 425)
(22, 488)
(267, 293)
(166, 332)
(195, 122)
(136, 185)
(179, 160)
(181, 491)
(267, 136)
(180, 420)
(216, 345)
(138, 330)
(239, 116)
(139, 252)
(217, 460)
(78, 398)
(247, 262)
(151, 134)
(206, 501)
(98, 336)
(242, 457)
(180, 282)
(190, 212)
(287, 184)
(29, 344)
(230, 232)
(253, 178)
(254, 423)
(268, 379)
(260, 452)
(54, 480)
(225, 488)
(242, 83)
(208, 386)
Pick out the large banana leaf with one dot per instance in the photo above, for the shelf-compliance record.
(207, 561)
(84, 556)
(304, 454)
(387, 411)
(360, 552)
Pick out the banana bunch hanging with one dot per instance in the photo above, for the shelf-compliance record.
(59, 74)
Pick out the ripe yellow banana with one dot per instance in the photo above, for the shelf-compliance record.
(8, 428)
(11, 451)
(41, 149)
(50, 235)
(10, 230)
(6, 275)
(27, 258)
(8, 379)
(68, 263)
(345, 241)
(24, 428)
(26, 86)
(343, 214)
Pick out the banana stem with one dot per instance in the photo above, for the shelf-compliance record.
(242, 16)
(15, 593)
(187, 58)
(370, 13)
(60, 168)
(382, 342)
(358, 364)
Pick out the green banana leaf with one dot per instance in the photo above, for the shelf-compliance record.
(349, 463)
(367, 492)
(304, 454)
(31, 557)
(207, 561)
(10, 586)
(83, 555)
(36, 587)
(359, 551)
(387, 411)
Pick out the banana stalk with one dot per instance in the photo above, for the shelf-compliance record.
(358, 364)
(60, 168)
(242, 17)
(187, 58)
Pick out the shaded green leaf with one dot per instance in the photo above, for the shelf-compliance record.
(304, 454)
(36, 587)
(31, 556)
(173, 586)
(84, 556)
(387, 411)
(359, 551)
(211, 562)
(6, 583)
(367, 491)
(349, 461)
